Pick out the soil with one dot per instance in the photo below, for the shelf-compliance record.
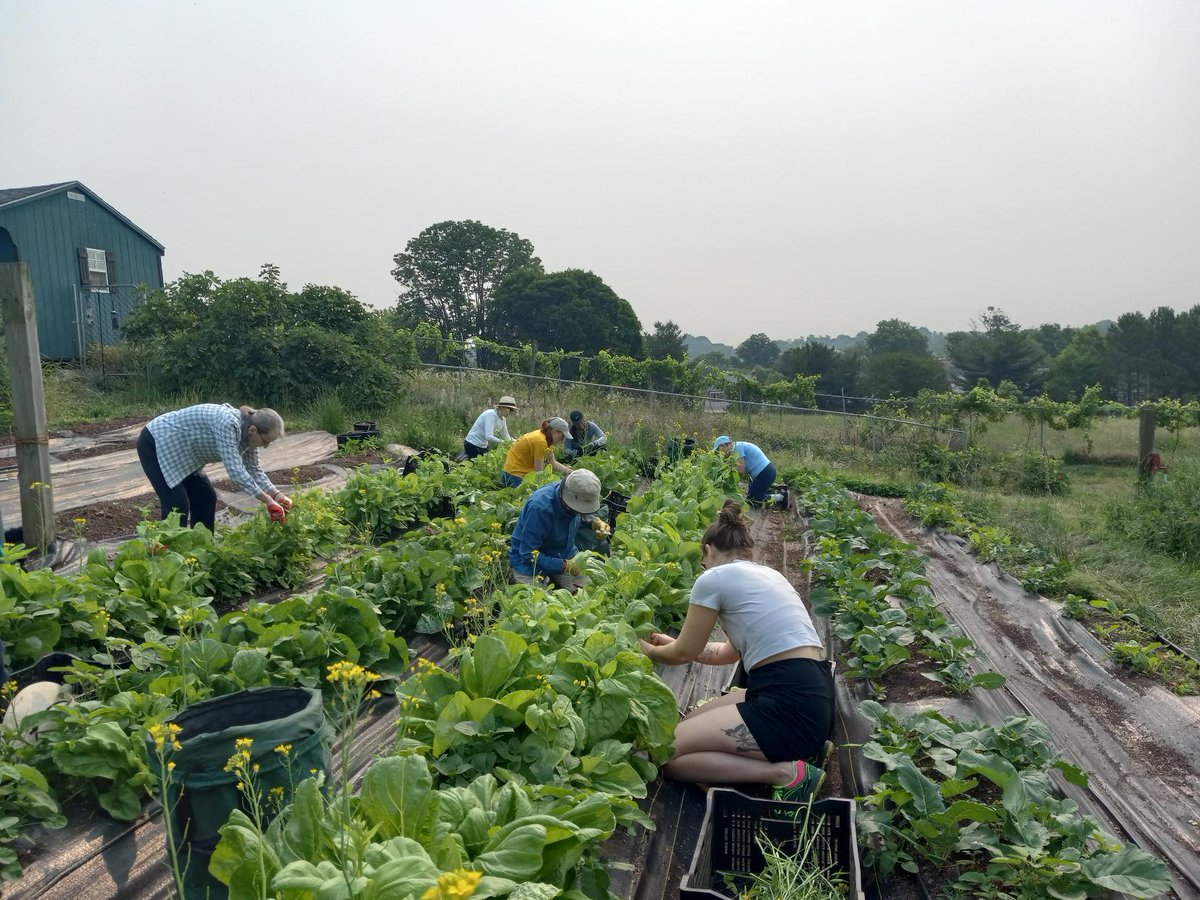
(91, 429)
(86, 429)
(89, 452)
(374, 457)
(282, 478)
(905, 683)
(110, 518)
(107, 519)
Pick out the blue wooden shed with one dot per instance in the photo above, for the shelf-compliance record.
(88, 263)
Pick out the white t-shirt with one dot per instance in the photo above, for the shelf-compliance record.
(760, 611)
(489, 429)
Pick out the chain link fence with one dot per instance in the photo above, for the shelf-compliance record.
(98, 320)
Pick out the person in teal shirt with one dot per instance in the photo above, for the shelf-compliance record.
(754, 464)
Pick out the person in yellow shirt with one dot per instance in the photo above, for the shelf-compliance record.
(532, 452)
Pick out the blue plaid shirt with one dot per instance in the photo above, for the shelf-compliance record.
(187, 440)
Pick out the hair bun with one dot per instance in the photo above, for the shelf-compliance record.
(731, 512)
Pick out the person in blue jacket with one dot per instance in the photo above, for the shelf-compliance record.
(543, 542)
(753, 463)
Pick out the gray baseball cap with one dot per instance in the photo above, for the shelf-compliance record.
(581, 491)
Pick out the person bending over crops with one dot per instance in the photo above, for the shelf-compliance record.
(175, 447)
(490, 429)
(777, 730)
(532, 452)
(543, 541)
(585, 437)
(752, 463)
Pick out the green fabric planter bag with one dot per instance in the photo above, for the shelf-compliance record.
(201, 794)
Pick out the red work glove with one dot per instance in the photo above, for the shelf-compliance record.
(284, 500)
(276, 512)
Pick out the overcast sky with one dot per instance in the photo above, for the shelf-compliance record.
(794, 168)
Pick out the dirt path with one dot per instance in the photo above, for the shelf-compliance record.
(1139, 742)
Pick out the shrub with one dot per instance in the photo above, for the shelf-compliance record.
(1035, 473)
(1163, 516)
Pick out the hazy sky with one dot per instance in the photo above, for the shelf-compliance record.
(788, 167)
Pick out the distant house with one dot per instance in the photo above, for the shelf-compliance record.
(86, 260)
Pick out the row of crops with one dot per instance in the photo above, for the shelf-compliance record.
(971, 806)
(507, 773)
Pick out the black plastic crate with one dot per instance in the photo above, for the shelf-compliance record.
(733, 821)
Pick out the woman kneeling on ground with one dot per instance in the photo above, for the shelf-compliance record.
(534, 451)
(771, 732)
(175, 447)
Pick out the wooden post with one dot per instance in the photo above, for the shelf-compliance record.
(1145, 443)
(29, 405)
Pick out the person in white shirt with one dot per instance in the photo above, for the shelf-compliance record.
(776, 731)
(490, 429)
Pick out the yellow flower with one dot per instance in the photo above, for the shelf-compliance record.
(243, 743)
(80, 521)
(171, 766)
(283, 749)
(373, 695)
(457, 885)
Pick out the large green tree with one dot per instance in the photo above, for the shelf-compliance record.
(902, 374)
(450, 272)
(758, 350)
(1080, 364)
(666, 342)
(998, 349)
(896, 336)
(572, 310)
(838, 371)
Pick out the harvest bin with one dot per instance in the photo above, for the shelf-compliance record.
(732, 822)
(201, 794)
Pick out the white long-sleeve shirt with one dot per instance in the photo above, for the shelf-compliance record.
(489, 430)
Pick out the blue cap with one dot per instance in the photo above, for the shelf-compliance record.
(722, 441)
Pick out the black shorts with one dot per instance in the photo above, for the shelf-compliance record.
(789, 707)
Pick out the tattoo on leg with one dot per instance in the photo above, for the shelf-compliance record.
(743, 740)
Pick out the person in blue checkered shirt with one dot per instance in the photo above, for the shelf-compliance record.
(175, 447)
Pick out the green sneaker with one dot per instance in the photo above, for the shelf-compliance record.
(820, 759)
(806, 790)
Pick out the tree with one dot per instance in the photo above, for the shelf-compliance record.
(257, 341)
(1053, 338)
(895, 336)
(666, 342)
(1082, 363)
(450, 272)
(758, 350)
(903, 374)
(838, 370)
(572, 310)
(997, 349)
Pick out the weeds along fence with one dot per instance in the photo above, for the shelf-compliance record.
(99, 316)
(638, 417)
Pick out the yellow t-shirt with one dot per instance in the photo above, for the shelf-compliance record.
(527, 453)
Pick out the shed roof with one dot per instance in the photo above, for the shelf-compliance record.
(16, 196)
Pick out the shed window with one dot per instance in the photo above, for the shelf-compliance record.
(97, 264)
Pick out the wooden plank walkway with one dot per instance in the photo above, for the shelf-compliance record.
(115, 476)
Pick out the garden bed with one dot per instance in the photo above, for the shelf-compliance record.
(1139, 742)
(98, 450)
(295, 477)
